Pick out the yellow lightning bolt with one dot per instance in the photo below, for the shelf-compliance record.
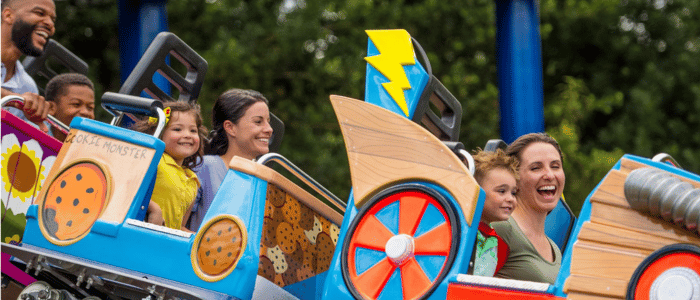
(395, 51)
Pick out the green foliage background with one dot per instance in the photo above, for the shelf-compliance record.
(619, 76)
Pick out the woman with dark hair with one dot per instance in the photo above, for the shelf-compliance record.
(241, 127)
(533, 256)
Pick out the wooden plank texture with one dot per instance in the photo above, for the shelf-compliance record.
(386, 149)
(627, 238)
(611, 190)
(627, 165)
(581, 296)
(633, 220)
(605, 261)
(596, 286)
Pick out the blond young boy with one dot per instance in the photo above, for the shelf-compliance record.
(497, 174)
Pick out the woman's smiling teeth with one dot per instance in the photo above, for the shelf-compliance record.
(547, 190)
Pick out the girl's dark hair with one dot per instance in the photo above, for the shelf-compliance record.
(231, 105)
(516, 147)
(180, 106)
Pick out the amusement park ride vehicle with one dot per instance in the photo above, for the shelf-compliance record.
(407, 230)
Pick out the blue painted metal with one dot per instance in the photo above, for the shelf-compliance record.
(557, 224)
(519, 56)
(389, 217)
(139, 23)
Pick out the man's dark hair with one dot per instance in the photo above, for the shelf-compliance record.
(58, 84)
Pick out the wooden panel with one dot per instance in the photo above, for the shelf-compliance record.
(385, 149)
(581, 296)
(626, 238)
(271, 176)
(596, 285)
(627, 165)
(605, 261)
(612, 189)
(629, 219)
(127, 164)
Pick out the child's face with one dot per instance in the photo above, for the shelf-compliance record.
(78, 100)
(181, 136)
(500, 187)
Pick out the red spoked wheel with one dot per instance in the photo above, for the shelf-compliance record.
(401, 244)
(672, 272)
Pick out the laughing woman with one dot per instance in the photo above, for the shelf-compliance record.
(533, 255)
(241, 122)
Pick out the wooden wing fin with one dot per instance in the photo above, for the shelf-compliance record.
(385, 149)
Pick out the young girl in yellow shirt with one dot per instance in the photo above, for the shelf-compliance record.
(176, 184)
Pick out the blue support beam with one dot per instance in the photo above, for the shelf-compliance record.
(519, 56)
(139, 23)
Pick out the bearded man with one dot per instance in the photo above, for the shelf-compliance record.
(27, 26)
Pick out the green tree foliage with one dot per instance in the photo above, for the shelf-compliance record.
(89, 30)
(619, 76)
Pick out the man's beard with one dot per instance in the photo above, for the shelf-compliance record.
(22, 37)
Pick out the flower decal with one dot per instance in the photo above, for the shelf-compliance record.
(23, 172)
(12, 240)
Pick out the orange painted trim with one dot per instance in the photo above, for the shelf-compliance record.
(465, 291)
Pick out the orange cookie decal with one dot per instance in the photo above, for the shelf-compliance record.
(218, 248)
(74, 201)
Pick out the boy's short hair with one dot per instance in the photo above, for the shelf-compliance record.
(56, 87)
(486, 161)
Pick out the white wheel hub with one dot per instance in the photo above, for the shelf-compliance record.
(399, 248)
(677, 283)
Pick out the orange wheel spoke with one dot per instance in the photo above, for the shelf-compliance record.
(435, 242)
(414, 280)
(372, 234)
(373, 280)
(410, 213)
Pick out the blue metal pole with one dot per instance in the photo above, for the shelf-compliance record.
(139, 23)
(519, 56)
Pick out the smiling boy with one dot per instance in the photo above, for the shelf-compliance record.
(497, 175)
(74, 96)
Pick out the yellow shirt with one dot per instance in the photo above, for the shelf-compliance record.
(174, 190)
